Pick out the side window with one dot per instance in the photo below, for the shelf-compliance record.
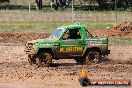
(73, 34)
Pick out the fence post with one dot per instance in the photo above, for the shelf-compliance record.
(72, 12)
(29, 12)
(116, 10)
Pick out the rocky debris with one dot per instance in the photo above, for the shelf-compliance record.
(126, 27)
(121, 30)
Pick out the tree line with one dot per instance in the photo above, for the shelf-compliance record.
(103, 4)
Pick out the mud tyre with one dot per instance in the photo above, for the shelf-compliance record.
(31, 59)
(38, 62)
(93, 57)
(47, 59)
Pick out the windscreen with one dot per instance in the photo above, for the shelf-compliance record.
(56, 33)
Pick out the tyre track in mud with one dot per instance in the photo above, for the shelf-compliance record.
(15, 72)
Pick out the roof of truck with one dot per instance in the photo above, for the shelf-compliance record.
(72, 26)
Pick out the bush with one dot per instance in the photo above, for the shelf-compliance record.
(2, 1)
(106, 4)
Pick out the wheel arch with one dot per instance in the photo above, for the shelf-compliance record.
(48, 50)
(88, 49)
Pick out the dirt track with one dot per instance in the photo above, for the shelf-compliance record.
(15, 72)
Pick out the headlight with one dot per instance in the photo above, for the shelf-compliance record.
(29, 45)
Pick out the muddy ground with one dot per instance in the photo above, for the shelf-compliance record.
(15, 71)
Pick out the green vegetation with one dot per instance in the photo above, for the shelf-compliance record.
(18, 20)
(48, 27)
(82, 4)
(120, 41)
(45, 26)
(100, 25)
(28, 26)
(64, 16)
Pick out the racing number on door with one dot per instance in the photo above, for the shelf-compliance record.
(71, 49)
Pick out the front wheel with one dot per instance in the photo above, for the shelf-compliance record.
(93, 56)
(47, 59)
(31, 59)
(44, 57)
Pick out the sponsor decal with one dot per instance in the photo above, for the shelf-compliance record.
(42, 44)
(71, 49)
(85, 81)
(110, 82)
(94, 42)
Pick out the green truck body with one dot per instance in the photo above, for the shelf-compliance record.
(73, 41)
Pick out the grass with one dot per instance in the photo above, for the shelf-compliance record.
(100, 25)
(48, 27)
(82, 16)
(120, 41)
(23, 27)
(10, 27)
(20, 21)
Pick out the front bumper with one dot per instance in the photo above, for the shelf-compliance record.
(30, 52)
(29, 49)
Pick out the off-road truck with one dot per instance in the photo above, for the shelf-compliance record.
(65, 42)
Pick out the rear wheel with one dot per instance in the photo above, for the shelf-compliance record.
(93, 56)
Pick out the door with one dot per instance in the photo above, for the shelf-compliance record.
(72, 43)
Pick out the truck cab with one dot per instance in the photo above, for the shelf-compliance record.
(72, 41)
